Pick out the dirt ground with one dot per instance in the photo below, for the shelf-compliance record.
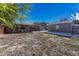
(38, 44)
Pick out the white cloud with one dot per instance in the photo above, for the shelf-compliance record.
(75, 16)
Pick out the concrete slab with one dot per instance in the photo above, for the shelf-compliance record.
(64, 34)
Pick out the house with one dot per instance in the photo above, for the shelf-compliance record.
(42, 26)
(19, 28)
(22, 28)
(66, 26)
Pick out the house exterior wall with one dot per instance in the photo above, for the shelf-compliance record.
(43, 27)
(62, 27)
(75, 28)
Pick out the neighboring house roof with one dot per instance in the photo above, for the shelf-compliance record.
(62, 22)
(26, 24)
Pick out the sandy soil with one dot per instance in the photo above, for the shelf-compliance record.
(38, 44)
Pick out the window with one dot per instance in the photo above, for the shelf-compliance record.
(57, 27)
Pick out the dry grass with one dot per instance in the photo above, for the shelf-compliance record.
(38, 44)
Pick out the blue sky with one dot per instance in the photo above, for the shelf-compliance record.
(51, 12)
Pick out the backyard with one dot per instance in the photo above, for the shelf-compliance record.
(38, 44)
